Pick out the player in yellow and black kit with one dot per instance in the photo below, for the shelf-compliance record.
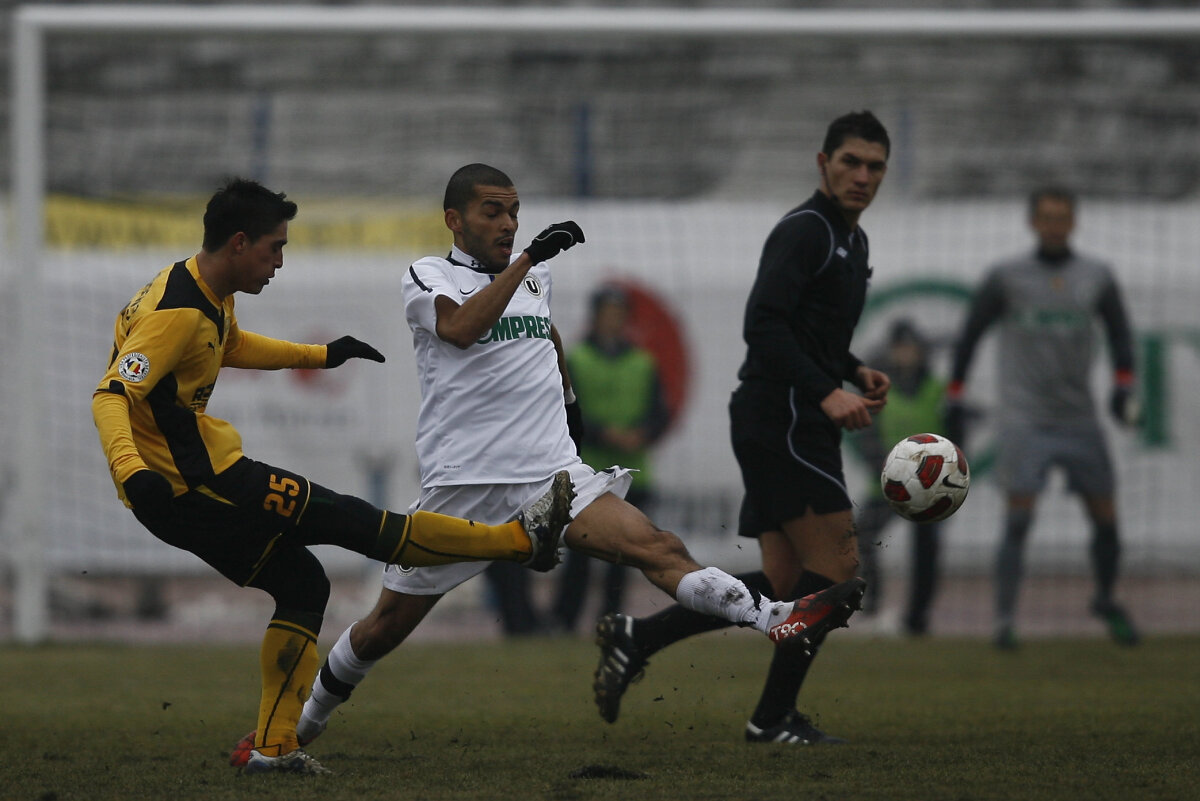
(183, 474)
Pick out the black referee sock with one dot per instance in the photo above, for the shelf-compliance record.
(789, 665)
(676, 623)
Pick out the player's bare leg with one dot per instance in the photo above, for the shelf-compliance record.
(825, 543)
(394, 616)
(613, 530)
(823, 605)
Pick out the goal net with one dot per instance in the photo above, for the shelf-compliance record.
(676, 137)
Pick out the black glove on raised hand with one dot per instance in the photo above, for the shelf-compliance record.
(150, 493)
(349, 348)
(554, 240)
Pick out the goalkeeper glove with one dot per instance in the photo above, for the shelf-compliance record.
(345, 348)
(150, 493)
(554, 240)
(1124, 406)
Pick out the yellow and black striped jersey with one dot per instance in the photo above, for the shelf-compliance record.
(169, 343)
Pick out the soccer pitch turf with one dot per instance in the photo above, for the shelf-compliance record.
(927, 719)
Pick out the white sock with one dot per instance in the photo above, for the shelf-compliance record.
(715, 592)
(347, 669)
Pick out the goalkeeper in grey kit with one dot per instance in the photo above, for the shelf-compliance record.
(1045, 304)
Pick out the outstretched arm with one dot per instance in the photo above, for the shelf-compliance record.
(463, 324)
(251, 351)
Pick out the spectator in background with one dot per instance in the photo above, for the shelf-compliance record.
(510, 595)
(1046, 303)
(624, 414)
(914, 406)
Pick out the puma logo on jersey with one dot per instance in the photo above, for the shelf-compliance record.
(518, 327)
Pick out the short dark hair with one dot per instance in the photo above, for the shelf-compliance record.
(246, 206)
(1052, 192)
(608, 294)
(461, 187)
(856, 125)
(905, 330)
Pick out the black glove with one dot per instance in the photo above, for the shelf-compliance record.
(575, 424)
(349, 348)
(1124, 406)
(955, 416)
(150, 493)
(554, 240)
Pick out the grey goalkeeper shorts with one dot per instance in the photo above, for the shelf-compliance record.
(1028, 452)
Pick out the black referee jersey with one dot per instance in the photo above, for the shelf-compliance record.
(806, 300)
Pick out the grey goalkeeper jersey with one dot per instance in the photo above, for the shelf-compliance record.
(1047, 310)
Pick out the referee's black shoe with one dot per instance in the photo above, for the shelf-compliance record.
(794, 729)
(621, 663)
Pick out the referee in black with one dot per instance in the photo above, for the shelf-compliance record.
(787, 417)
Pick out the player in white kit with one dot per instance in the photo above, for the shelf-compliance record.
(492, 433)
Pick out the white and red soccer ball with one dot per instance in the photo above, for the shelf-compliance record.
(925, 478)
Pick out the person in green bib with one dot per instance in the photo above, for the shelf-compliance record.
(915, 405)
(624, 415)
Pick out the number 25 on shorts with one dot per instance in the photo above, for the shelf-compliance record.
(283, 500)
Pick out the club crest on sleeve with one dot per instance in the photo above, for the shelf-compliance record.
(134, 367)
(533, 286)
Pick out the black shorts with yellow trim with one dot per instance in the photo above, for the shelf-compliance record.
(238, 518)
(790, 456)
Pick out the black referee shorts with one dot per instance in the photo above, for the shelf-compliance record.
(252, 512)
(790, 456)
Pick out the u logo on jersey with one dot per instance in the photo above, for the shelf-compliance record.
(533, 286)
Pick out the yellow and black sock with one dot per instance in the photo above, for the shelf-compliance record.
(289, 664)
(427, 538)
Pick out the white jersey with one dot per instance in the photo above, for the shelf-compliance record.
(492, 413)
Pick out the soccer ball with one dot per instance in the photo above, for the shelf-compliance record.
(925, 478)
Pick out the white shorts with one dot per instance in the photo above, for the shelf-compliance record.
(493, 504)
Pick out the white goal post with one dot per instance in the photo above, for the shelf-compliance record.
(32, 25)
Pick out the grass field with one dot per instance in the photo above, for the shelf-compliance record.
(932, 719)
